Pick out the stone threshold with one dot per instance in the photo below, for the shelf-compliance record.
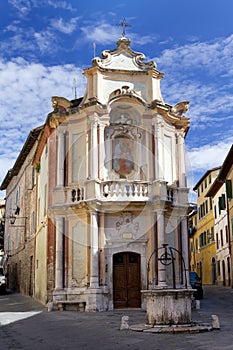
(181, 328)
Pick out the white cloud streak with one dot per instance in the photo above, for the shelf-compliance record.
(26, 91)
(65, 26)
(25, 6)
(102, 33)
(209, 156)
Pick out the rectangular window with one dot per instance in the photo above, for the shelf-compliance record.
(204, 238)
(10, 207)
(17, 200)
(222, 203)
(215, 212)
(226, 232)
(206, 206)
(211, 205)
(229, 189)
(16, 238)
(210, 179)
(217, 242)
(212, 232)
(221, 237)
(32, 223)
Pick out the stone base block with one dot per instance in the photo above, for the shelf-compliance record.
(168, 306)
(95, 300)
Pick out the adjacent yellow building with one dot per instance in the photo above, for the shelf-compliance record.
(203, 246)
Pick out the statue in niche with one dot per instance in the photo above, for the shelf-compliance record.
(124, 119)
(123, 156)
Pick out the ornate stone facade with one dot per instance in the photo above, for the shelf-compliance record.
(112, 189)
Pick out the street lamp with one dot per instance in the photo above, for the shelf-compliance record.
(13, 219)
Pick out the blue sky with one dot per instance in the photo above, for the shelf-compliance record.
(45, 44)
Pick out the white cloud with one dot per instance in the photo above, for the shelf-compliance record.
(200, 55)
(201, 73)
(65, 26)
(28, 42)
(23, 6)
(65, 5)
(102, 33)
(45, 40)
(209, 156)
(26, 91)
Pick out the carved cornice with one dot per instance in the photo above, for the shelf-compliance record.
(123, 49)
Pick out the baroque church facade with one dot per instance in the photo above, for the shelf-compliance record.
(111, 188)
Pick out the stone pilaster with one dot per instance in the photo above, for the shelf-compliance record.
(94, 294)
(159, 171)
(182, 167)
(61, 157)
(59, 293)
(94, 149)
(161, 240)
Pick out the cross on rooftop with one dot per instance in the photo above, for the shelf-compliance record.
(123, 24)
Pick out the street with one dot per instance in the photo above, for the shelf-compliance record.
(26, 324)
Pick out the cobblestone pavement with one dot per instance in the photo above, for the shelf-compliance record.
(26, 324)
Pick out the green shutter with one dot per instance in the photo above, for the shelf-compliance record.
(221, 203)
(229, 189)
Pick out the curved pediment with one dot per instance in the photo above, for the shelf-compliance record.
(123, 58)
(126, 91)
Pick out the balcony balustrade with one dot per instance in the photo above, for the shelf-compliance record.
(117, 191)
(120, 190)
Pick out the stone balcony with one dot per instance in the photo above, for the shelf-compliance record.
(119, 191)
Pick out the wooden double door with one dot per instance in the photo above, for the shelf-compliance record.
(126, 280)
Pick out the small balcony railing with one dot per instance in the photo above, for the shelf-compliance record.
(118, 190)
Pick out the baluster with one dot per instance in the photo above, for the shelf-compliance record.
(140, 190)
(73, 195)
(117, 189)
(121, 190)
(106, 190)
(143, 190)
(133, 190)
(130, 190)
(112, 190)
